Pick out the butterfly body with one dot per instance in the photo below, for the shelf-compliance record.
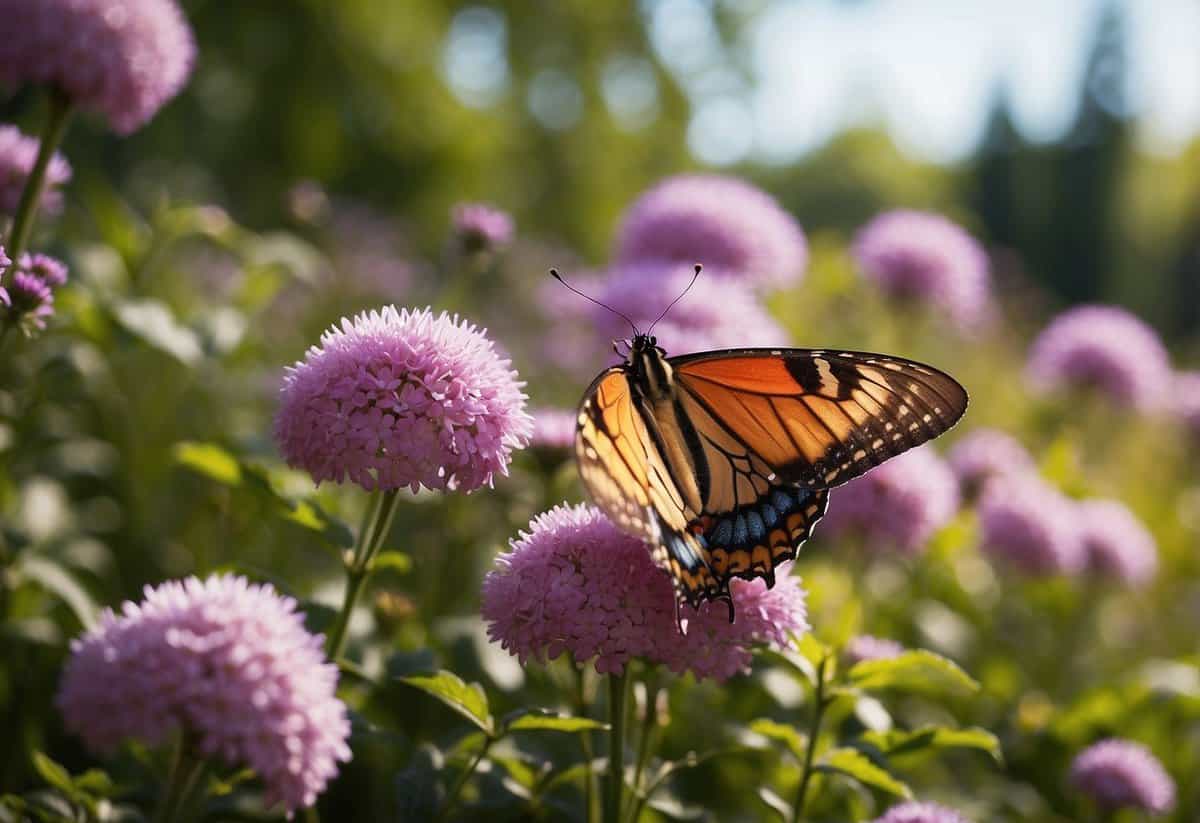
(722, 460)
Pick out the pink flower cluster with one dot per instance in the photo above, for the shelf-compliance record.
(1030, 525)
(228, 661)
(480, 227)
(717, 312)
(401, 397)
(924, 257)
(724, 223)
(553, 429)
(985, 454)
(29, 299)
(121, 58)
(1104, 348)
(1120, 773)
(899, 504)
(574, 583)
(18, 153)
(916, 812)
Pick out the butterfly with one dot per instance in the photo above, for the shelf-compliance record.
(722, 461)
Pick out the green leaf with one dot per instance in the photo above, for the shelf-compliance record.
(398, 562)
(795, 742)
(154, 323)
(919, 671)
(54, 774)
(532, 721)
(468, 700)
(899, 741)
(54, 579)
(96, 782)
(210, 460)
(309, 515)
(855, 765)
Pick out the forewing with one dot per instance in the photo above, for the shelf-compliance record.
(813, 417)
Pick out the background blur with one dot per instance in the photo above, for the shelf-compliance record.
(1065, 133)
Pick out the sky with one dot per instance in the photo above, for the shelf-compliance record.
(798, 72)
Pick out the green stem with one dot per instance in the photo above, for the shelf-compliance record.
(814, 731)
(52, 135)
(452, 798)
(186, 771)
(616, 747)
(377, 522)
(649, 724)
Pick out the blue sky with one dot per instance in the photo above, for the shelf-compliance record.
(925, 69)
(801, 71)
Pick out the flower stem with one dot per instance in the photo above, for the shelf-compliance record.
(819, 705)
(186, 771)
(452, 797)
(377, 522)
(649, 726)
(616, 747)
(52, 135)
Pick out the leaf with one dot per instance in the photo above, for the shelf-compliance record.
(795, 742)
(54, 774)
(900, 741)
(153, 323)
(96, 782)
(309, 515)
(210, 460)
(775, 803)
(919, 671)
(56, 580)
(855, 765)
(398, 562)
(534, 721)
(468, 700)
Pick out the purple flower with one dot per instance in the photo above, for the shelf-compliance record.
(914, 812)
(867, 647)
(1105, 348)
(721, 222)
(228, 661)
(924, 257)
(984, 454)
(399, 397)
(1116, 543)
(479, 227)
(1120, 773)
(553, 429)
(1031, 525)
(1185, 399)
(898, 504)
(575, 583)
(121, 58)
(718, 312)
(18, 153)
(30, 297)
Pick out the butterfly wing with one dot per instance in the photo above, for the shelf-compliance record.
(627, 477)
(817, 418)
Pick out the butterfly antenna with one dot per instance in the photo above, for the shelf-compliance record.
(699, 269)
(554, 273)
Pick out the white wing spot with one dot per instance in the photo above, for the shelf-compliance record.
(877, 443)
(860, 454)
(927, 418)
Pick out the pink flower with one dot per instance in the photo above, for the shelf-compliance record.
(228, 661)
(717, 312)
(899, 504)
(121, 58)
(18, 153)
(553, 429)
(1031, 525)
(924, 257)
(480, 227)
(575, 583)
(985, 454)
(1116, 543)
(721, 222)
(1103, 348)
(1120, 773)
(399, 397)
(914, 812)
(867, 647)
(29, 299)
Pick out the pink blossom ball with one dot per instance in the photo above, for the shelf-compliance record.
(400, 398)
(121, 58)
(576, 584)
(230, 663)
